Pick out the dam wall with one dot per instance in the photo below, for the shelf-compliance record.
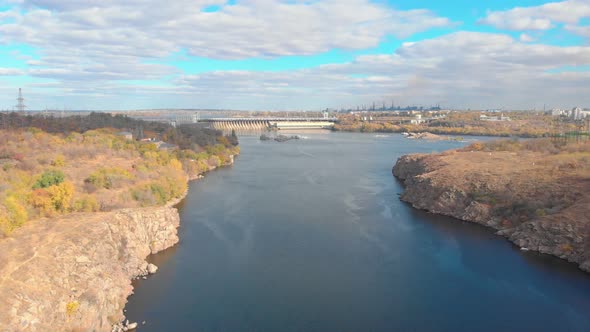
(263, 124)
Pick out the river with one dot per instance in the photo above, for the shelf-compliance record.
(310, 235)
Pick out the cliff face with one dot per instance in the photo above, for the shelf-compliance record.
(74, 273)
(548, 214)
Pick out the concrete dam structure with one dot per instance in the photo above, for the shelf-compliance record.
(257, 124)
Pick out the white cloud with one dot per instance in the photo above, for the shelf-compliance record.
(526, 38)
(539, 17)
(93, 43)
(583, 31)
(95, 53)
(250, 28)
(475, 70)
(10, 72)
(8, 14)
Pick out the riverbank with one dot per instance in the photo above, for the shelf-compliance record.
(457, 123)
(74, 272)
(430, 137)
(535, 194)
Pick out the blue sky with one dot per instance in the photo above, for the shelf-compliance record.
(294, 55)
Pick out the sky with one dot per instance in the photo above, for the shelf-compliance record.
(294, 54)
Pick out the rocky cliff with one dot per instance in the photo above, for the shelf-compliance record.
(534, 203)
(74, 273)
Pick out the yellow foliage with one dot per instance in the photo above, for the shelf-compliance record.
(202, 166)
(4, 223)
(175, 164)
(41, 200)
(151, 176)
(86, 204)
(59, 161)
(214, 161)
(16, 213)
(567, 247)
(151, 155)
(61, 196)
(477, 146)
(72, 307)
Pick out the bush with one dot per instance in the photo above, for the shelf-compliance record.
(154, 193)
(108, 178)
(59, 161)
(214, 161)
(174, 163)
(48, 179)
(41, 200)
(477, 146)
(16, 213)
(143, 195)
(61, 196)
(86, 204)
(72, 307)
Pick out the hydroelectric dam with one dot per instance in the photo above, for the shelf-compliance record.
(270, 123)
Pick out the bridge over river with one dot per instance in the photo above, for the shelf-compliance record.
(270, 122)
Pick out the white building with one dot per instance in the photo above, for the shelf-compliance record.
(417, 120)
(126, 134)
(494, 118)
(577, 113)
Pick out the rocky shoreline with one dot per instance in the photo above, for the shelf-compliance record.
(436, 183)
(428, 136)
(74, 273)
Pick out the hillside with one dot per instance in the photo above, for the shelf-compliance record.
(81, 209)
(536, 193)
(46, 175)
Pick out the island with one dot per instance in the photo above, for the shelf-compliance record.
(278, 138)
(536, 192)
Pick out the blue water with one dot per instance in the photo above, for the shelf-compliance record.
(310, 235)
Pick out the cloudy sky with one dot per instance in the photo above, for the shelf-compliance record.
(294, 54)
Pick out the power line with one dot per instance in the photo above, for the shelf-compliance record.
(21, 101)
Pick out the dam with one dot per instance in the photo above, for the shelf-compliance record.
(270, 123)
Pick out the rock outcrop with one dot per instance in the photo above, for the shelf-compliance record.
(74, 273)
(520, 202)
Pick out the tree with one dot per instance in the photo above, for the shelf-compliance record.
(61, 196)
(48, 179)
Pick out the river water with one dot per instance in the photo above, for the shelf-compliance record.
(310, 235)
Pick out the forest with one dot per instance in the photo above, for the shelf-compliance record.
(185, 136)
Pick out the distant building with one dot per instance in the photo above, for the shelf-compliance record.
(165, 146)
(417, 119)
(494, 118)
(578, 113)
(126, 134)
